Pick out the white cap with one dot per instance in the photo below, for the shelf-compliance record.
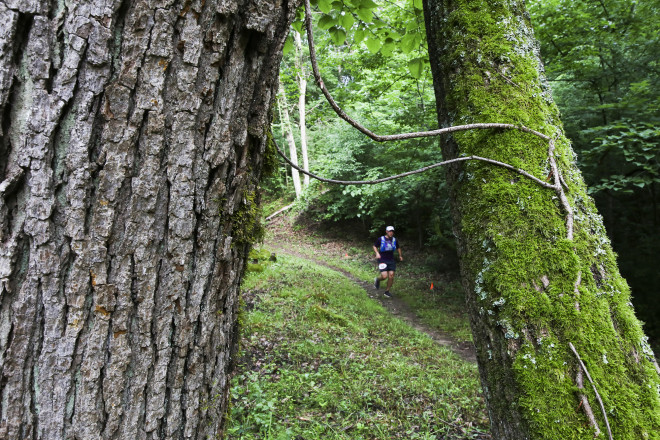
(389, 228)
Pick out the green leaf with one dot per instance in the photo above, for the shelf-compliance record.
(415, 66)
(368, 4)
(288, 44)
(338, 6)
(297, 25)
(378, 23)
(359, 35)
(412, 27)
(347, 21)
(407, 43)
(365, 14)
(417, 4)
(388, 47)
(338, 35)
(394, 34)
(373, 44)
(325, 6)
(326, 22)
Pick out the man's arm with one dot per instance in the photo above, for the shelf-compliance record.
(376, 251)
(400, 256)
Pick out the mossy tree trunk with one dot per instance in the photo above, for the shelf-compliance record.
(133, 137)
(530, 289)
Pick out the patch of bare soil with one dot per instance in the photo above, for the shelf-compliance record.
(287, 237)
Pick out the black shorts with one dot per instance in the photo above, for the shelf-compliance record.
(391, 266)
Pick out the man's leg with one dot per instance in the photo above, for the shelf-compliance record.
(390, 279)
(382, 276)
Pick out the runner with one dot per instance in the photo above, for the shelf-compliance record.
(384, 248)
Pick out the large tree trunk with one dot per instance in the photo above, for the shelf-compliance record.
(133, 135)
(531, 290)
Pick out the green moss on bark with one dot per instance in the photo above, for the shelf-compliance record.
(530, 290)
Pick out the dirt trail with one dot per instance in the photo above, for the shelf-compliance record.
(394, 305)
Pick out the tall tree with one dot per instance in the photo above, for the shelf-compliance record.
(133, 137)
(287, 128)
(532, 290)
(301, 77)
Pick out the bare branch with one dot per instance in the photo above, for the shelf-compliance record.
(279, 211)
(584, 402)
(417, 171)
(560, 190)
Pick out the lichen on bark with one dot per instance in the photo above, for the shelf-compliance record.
(530, 290)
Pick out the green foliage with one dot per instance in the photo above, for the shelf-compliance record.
(633, 157)
(380, 75)
(336, 365)
(258, 259)
(602, 61)
(386, 27)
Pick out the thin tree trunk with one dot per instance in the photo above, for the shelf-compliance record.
(302, 92)
(288, 132)
(133, 135)
(530, 289)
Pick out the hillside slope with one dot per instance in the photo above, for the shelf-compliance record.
(322, 358)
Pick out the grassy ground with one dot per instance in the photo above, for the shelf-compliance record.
(441, 307)
(321, 360)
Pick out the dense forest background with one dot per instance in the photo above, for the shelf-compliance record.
(601, 60)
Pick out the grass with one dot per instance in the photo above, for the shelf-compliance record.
(442, 307)
(321, 360)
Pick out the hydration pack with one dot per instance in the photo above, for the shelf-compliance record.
(387, 245)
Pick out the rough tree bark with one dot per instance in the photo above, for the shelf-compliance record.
(530, 289)
(133, 137)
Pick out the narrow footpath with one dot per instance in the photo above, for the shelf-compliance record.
(394, 305)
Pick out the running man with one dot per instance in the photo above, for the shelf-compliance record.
(384, 248)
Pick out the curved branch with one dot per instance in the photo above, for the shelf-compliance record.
(417, 171)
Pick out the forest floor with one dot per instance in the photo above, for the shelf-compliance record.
(325, 356)
(346, 252)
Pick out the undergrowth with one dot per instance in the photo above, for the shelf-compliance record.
(321, 360)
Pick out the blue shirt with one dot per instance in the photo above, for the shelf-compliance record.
(386, 256)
